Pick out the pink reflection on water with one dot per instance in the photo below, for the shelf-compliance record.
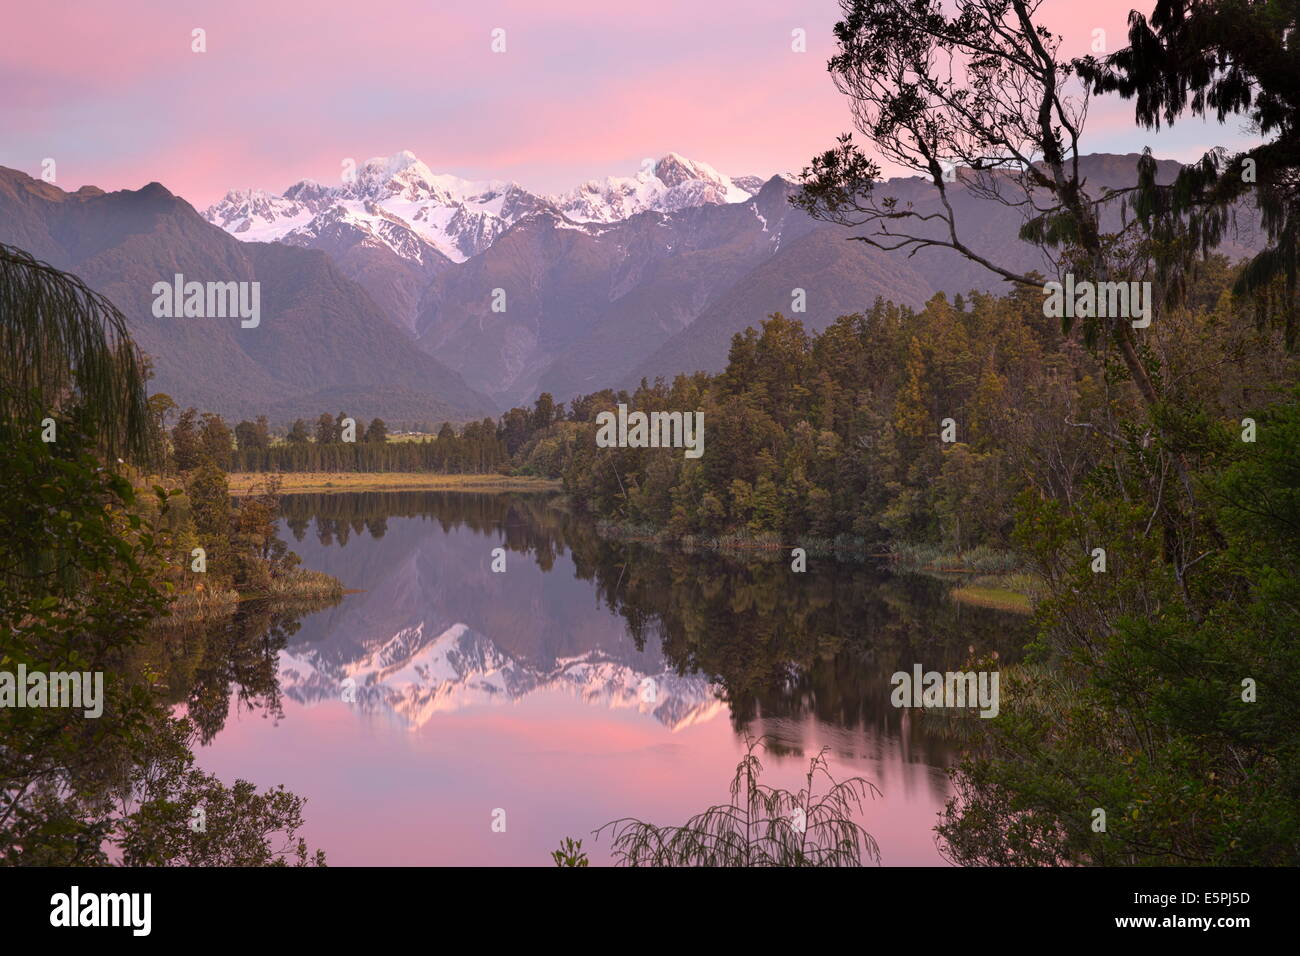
(379, 794)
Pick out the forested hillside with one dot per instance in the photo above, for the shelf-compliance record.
(839, 435)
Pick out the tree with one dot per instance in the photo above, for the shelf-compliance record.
(514, 429)
(216, 441)
(377, 432)
(327, 432)
(253, 435)
(160, 406)
(298, 433)
(544, 412)
(1221, 57)
(976, 100)
(209, 496)
(79, 590)
(1140, 708)
(975, 97)
(187, 448)
(246, 435)
(64, 346)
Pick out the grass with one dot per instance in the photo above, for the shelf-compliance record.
(200, 605)
(243, 483)
(977, 560)
(1004, 599)
(302, 584)
(994, 581)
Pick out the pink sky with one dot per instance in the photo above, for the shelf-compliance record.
(288, 89)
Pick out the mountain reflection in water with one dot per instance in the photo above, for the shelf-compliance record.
(593, 679)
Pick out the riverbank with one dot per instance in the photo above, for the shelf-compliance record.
(1000, 595)
(980, 576)
(299, 586)
(245, 483)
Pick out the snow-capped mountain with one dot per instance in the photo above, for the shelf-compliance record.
(255, 215)
(669, 185)
(399, 203)
(370, 224)
(415, 675)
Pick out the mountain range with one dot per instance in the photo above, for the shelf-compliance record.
(322, 342)
(628, 277)
(418, 296)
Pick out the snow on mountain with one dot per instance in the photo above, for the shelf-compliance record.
(399, 202)
(413, 676)
(457, 217)
(367, 223)
(671, 184)
(255, 215)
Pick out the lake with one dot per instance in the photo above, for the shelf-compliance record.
(592, 679)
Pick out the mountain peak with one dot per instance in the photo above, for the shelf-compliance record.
(404, 165)
(669, 184)
(674, 169)
(461, 217)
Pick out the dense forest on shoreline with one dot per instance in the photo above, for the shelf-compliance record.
(838, 436)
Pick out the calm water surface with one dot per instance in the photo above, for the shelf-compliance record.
(526, 690)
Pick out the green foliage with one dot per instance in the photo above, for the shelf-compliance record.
(839, 432)
(761, 825)
(570, 854)
(1141, 681)
(255, 434)
(82, 564)
(1223, 58)
(65, 352)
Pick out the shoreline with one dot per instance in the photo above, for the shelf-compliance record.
(1002, 586)
(244, 483)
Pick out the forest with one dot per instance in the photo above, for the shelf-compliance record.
(1145, 478)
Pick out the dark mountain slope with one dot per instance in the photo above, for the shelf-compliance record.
(318, 330)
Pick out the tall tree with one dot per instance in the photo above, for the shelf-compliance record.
(187, 447)
(1225, 58)
(543, 411)
(246, 435)
(65, 347)
(327, 433)
(216, 440)
(262, 432)
(975, 97)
